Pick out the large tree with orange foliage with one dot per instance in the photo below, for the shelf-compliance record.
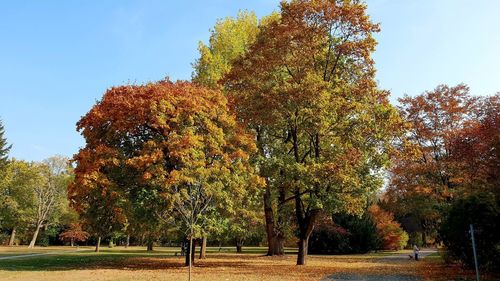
(307, 89)
(173, 148)
(424, 176)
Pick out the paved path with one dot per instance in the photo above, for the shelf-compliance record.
(41, 254)
(405, 256)
(397, 258)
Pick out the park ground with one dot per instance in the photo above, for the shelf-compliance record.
(134, 263)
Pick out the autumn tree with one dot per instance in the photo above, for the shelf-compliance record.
(73, 233)
(475, 150)
(423, 175)
(306, 87)
(175, 142)
(389, 230)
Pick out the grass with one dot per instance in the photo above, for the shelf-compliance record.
(135, 263)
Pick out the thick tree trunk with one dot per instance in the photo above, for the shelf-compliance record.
(239, 246)
(150, 246)
(98, 244)
(301, 256)
(111, 245)
(12, 237)
(275, 239)
(35, 236)
(268, 214)
(306, 219)
(203, 248)
(128, 241)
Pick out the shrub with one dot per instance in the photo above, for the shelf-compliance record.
(346, 234)
(482, 211)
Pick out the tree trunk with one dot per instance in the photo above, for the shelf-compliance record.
(35, 235)
(98, 244)
(268, 214)
(279, 245)
(72, 241)
(128, 241)
(12, 237)
(306, 220)
(188, 256)
(190, 253)
(301, 256)
(203, 248)
(239, 245)
(150, 246)
(110, 245)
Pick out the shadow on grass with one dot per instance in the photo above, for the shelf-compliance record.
(112, 260)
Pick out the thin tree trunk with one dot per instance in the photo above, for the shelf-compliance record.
(128, 241)
(35, 235)
(98, 244)
(190, 253)
(12, 237)
(188, 256)
(150, 246)
(110, 245)
(203, 248)
(72, 241)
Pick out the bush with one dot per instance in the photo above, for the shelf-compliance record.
(345, 235)
(482, 211)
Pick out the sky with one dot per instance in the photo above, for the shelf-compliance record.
(57, 58)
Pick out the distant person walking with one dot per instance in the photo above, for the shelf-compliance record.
(416, 251)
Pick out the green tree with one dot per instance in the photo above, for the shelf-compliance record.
(4, 148)
(482, 210)
(50, 193)
(16, 195)
(307, 89)
(229, 39)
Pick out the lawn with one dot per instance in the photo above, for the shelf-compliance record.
(134, 263)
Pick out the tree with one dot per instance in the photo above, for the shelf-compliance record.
(4, 148)
(16, 195)
(74, 234)
(390, 232)
(424, 178)
(50, 192)
(306, 87)
(475, 150)
(229, 39)
(176, 141)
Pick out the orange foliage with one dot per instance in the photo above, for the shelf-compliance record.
(393, 236)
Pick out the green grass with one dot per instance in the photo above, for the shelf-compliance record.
(117, 257)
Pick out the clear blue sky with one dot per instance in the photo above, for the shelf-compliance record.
(58, 57)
